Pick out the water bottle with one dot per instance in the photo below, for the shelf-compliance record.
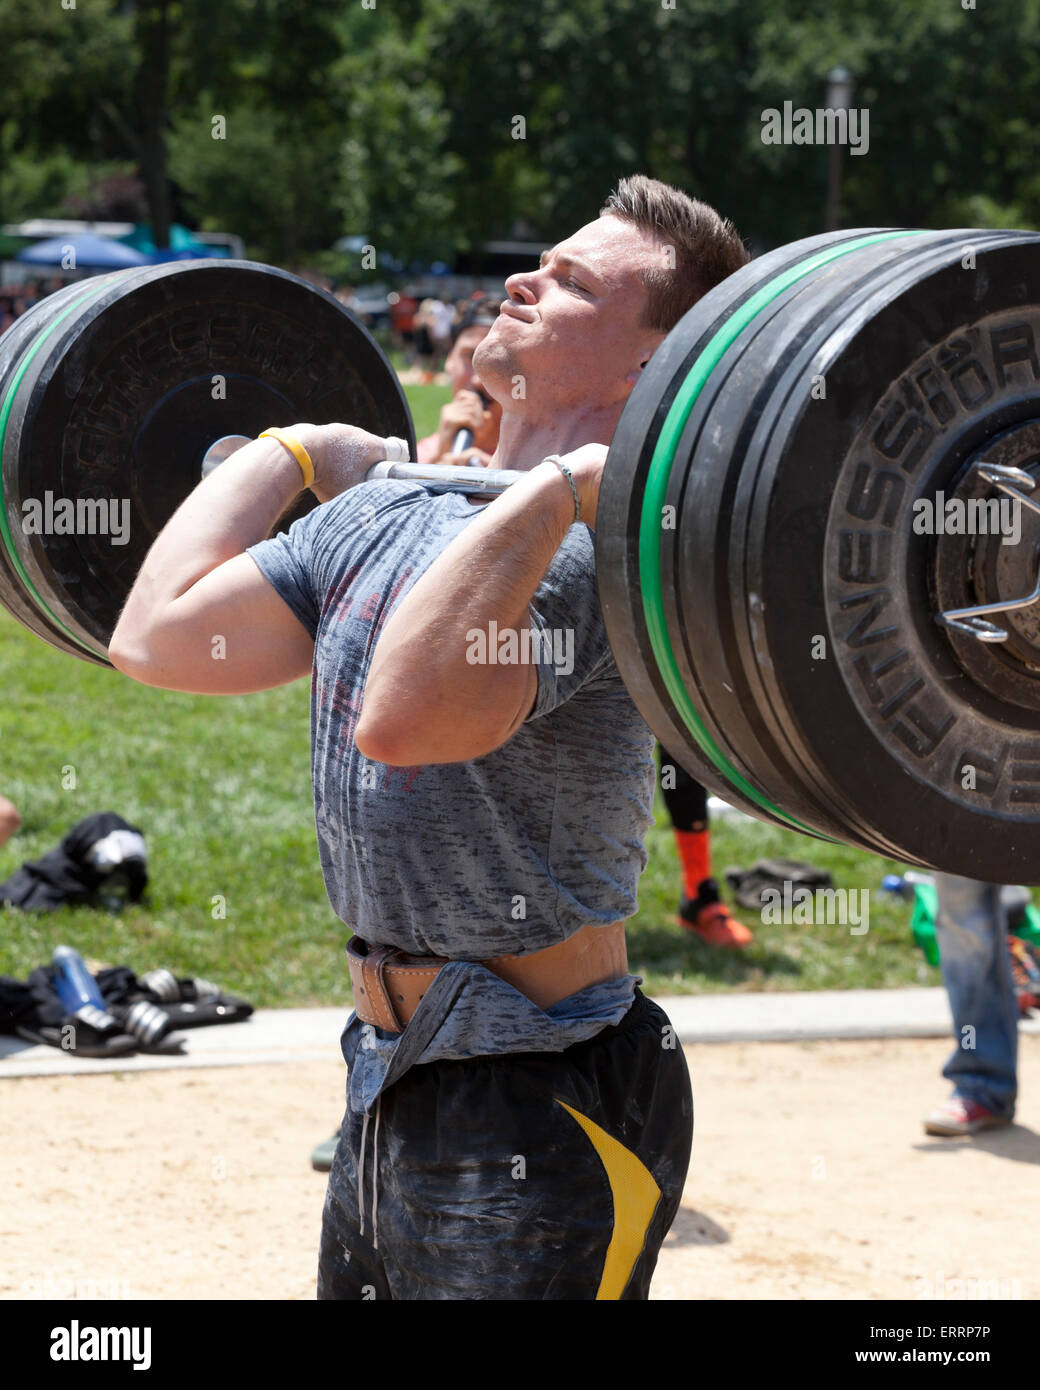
(78, 990)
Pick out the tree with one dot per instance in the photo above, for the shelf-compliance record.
(64, 87)
(429, 126)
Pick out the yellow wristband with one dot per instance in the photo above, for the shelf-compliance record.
(295, 448)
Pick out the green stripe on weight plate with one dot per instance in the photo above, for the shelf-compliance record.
(657, 489)
(6, 539)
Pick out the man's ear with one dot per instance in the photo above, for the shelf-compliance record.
(644, 357)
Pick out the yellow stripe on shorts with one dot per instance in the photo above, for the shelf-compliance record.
(635, 1194)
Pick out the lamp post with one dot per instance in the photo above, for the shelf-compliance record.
(840, 87)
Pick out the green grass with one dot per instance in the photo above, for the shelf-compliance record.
(782, 957)
(426, 402)
(221, 789)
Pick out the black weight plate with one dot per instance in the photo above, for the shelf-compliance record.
(708, 608)
(30, 335)
(121, 407)
(620, 501)
(707, 468)
(803, 740)
(15, 344)
(807, 739)
(898, 717)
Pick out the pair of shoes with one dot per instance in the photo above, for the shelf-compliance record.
(321, 1158)
(961, 1116)
(713, 923)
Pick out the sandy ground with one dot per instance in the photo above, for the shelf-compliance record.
(811, 1178)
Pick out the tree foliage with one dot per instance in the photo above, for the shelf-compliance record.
(425, 126)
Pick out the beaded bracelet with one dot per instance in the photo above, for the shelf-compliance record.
(555, 458)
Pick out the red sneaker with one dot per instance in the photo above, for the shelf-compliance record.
(714, 924)
(959, 1116)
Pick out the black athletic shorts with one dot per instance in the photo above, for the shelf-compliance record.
(527, 1176)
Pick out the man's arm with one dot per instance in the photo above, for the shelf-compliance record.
(197, 585)
(424, 702)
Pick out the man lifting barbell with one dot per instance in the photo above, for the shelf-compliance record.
(469, 811)
(771, 604)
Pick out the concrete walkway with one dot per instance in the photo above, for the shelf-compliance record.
(303, 1035)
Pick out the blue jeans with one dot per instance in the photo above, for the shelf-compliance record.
(971, 930)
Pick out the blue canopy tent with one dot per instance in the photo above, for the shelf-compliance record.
(89, 252)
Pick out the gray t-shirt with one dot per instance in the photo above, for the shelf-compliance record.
(506, 854)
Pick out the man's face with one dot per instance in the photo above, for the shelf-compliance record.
(572, 328)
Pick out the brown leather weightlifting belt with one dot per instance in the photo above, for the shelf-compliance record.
(388, 983)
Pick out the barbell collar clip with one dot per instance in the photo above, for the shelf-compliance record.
(971, 620)
(1006, 478)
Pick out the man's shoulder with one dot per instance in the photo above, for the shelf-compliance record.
(366, 502)
(386, 519)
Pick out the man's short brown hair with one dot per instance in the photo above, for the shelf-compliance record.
(705, 246)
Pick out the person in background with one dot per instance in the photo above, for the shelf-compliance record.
(468, 409)
(971, 929)
(701, 909)
(442, 323)
(402, 322)
(10, 820)
(425, 352)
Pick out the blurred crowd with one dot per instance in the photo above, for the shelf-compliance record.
(15, 300)
(423, 331)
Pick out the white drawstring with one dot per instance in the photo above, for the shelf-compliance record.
(361, 1174)
(375, 1175)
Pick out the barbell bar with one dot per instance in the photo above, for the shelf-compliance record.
(434, 477)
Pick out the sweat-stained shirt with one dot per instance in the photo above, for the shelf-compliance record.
(506, 854)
